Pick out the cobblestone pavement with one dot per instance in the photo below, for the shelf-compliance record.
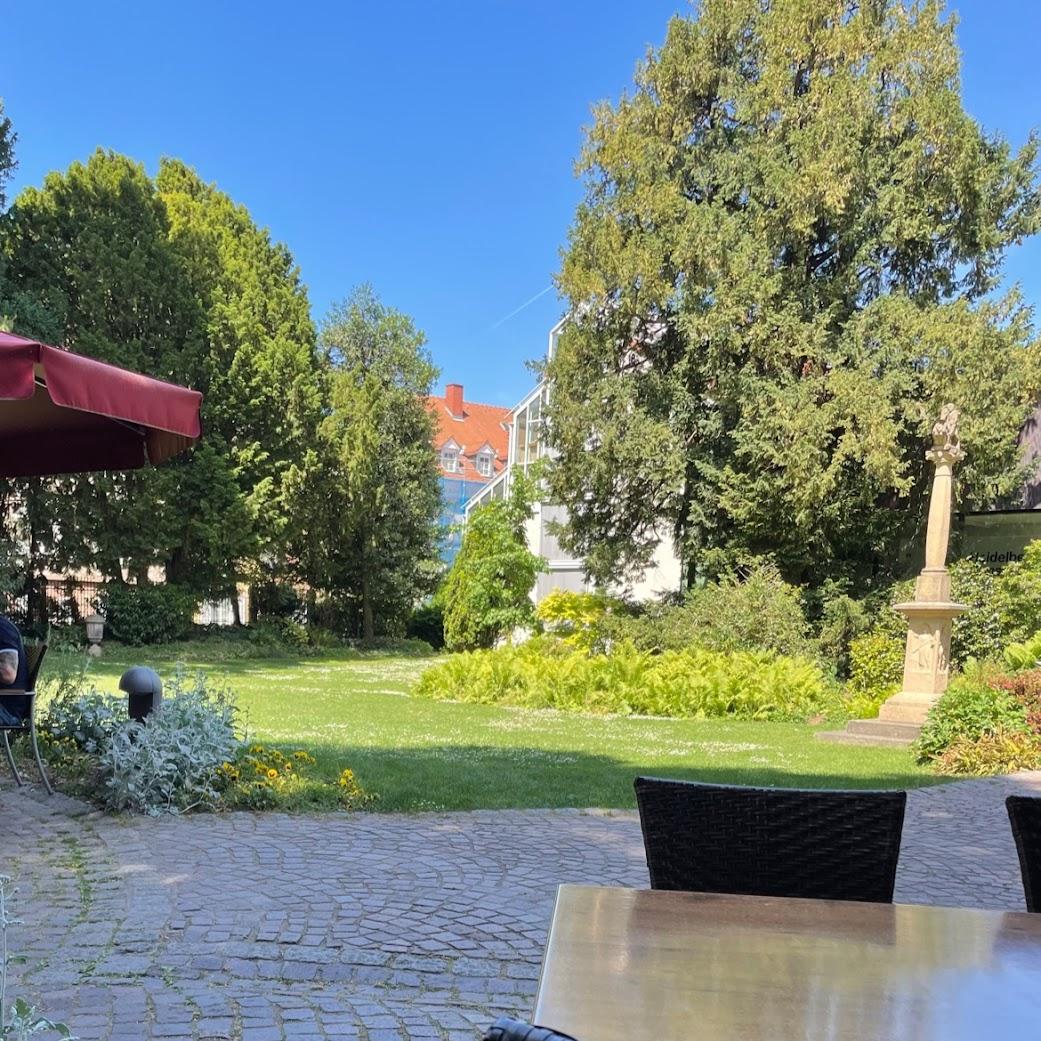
(367, 927)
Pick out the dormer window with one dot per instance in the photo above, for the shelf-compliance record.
(485, 464)
(450, 457)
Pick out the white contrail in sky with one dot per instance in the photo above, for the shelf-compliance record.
(516, 311)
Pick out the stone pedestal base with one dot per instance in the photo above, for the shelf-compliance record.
(927, 654)
(907, 707)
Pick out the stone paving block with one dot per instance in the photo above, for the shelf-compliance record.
(259, 927)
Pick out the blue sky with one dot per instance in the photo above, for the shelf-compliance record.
(424, 147)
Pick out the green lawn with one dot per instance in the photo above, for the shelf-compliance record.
(423, 755)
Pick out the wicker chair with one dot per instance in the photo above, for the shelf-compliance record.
(1024, 813)
(506, 1029)
(828, 845)
(33, 660)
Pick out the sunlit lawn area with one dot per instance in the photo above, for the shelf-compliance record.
(424, 755)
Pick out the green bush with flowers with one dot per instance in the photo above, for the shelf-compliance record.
(191, 754)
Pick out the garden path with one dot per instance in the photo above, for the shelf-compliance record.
(368, 927)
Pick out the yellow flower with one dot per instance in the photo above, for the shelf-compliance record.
(272, 774)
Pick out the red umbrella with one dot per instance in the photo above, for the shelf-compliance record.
(63, 413)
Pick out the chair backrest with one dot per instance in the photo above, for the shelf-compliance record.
(506, 1029)
(1024, 814)
(827, 845)
(33, 660)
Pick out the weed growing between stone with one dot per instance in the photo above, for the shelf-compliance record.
(18, 1019)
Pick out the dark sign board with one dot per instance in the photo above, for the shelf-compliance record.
(999, 537)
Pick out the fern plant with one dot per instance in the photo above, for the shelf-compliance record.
(1026, 655)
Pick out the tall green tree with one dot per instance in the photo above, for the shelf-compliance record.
(89, 264)
(367, 497)
(260, 374)
(173, 279)
(785, 261)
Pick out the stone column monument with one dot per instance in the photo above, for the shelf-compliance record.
(929, 615)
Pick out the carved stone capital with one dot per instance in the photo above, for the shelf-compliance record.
(945, 456)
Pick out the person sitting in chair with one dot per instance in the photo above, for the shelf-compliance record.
(14, 674)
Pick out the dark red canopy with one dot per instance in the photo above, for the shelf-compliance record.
(63, 413)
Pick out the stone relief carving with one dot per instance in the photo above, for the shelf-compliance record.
(921, 651)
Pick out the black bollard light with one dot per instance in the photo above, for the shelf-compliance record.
(144, 691)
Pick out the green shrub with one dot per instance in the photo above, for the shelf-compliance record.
(1001, 752)
(271, 599)
(1025, 687)
(754, 610)
(976, 633)
(876, 669)
(576, 618)
(171, 761)
(693, 683)
(486, 593)
(427, 623)
(293, 634)
(653, 628)
(969, 709)
(147, 614)
(87, 719)
(842, 621)
(1018, 596)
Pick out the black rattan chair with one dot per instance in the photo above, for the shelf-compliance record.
(33, 661)
(826, 845)
(506, 1029)
(1024, 813)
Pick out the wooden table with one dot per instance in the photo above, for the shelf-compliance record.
(642, 965)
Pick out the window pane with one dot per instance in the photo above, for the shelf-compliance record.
(520, 441)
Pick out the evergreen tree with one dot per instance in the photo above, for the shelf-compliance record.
(259, 372)
(89, 264)
(366, 499)
(172, 279)
(784, 263)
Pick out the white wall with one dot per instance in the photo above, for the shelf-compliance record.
(566, 572)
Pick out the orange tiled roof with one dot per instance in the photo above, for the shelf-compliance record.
(480, 425)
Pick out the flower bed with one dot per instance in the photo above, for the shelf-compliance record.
(188, 755)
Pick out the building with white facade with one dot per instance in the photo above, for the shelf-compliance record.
(525, 426)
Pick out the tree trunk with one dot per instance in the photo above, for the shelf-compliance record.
(368, 627)
(36, 600)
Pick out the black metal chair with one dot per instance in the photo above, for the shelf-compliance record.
(826, 845)
(1024, 814)
(506, 1029)
(33, 659)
